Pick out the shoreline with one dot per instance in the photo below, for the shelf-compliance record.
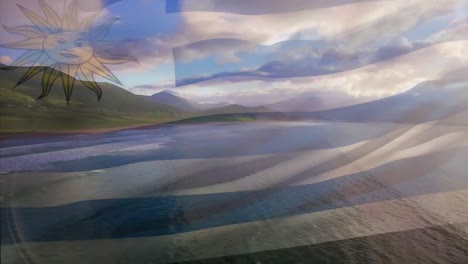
(39, 134)
(13, 135)
(27, 134)
(44, 134)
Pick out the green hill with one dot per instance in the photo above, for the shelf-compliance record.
(21, 112)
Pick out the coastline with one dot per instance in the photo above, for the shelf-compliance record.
(187, 121)
(39, 134)
(26, 134)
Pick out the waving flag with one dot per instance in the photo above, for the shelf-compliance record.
(383, 181)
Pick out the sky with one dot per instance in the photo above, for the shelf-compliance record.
(258, 52)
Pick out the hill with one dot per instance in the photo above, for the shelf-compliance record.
(21, 112)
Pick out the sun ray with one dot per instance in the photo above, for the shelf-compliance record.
(27, 58)
(87, 79)
(28, 44)
(41, 62)
(31, 72)
(101, 31)
(87, 23)
(116, 60)
(27, 31)
(49, 77)
(51, 16)
(37, 20)
(70, 20)
(68, 79)
(97, 67)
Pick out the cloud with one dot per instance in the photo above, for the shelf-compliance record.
(358, 39)
(149, 53)
(290, 59)
(6, 60)
(223, 50)
(363, 48)
(458, 30)
(373, 81)
(150, 89)
(397, 22)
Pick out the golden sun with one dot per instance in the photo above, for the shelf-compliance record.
(63, 48)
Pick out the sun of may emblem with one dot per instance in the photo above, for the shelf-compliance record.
(64, 48)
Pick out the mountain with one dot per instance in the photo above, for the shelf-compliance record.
(118, 107)
(170, 98)
(315, 101)
(442, 101)
(207, 106)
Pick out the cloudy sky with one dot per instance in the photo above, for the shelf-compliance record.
(261, 51)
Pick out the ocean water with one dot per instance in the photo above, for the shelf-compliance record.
(272, 192)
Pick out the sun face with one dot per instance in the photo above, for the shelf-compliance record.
(70, 47)
(63, 48)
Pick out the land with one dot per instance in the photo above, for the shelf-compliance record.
(118, 109)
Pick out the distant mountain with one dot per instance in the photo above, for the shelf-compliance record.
(169, 98)
(315, 101)
(443, 101)
(207, 106)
